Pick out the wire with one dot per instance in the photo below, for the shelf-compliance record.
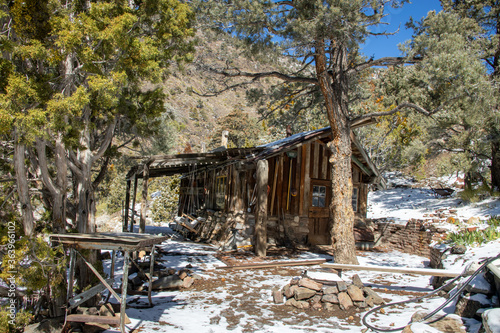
(459, 291)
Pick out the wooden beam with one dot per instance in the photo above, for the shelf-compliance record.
(127, 206)
(273, 191)
(402, 270)
(276, 264)
(261, 218)
(80, 318)
(144, 203)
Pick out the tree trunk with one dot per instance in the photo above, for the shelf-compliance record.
(334, 89)
(495, 165)
(23, 188)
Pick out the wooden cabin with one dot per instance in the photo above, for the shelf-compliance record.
(221, 186)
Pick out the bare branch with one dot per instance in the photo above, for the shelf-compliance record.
(385, 61)
(398, 108)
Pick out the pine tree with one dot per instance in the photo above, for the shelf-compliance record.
(322, 40)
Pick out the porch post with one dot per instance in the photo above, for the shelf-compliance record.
(261, 218)
(127, 207)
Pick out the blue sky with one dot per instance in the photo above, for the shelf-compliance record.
(382, 46)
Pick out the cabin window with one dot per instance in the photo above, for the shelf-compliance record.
(355, 199)
(220, 191)
(319, 196)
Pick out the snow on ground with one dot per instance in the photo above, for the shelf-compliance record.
(400, 202)
(240, 300)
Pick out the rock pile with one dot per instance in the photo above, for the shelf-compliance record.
(305, 293)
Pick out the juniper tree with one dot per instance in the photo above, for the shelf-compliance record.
(72, 75)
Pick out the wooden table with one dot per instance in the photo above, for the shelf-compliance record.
(123, 241)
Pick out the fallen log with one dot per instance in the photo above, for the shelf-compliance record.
(388, 269)
(275, 264)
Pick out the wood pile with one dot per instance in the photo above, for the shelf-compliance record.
(305, 293)
(167, 278)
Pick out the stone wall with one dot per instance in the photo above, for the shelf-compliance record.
(414, 237)
(290, 229)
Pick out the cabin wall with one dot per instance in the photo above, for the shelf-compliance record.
(292, 178)
(225, 197)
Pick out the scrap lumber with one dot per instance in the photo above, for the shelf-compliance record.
(388, 269)
(275, 264)
(80, 318)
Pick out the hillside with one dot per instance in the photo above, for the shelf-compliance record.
(187, 86)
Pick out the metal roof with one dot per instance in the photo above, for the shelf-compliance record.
(167, 165)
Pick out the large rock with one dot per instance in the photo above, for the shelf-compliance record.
(356, 280)
(468, 306)
(277, 296)
(375, 298)
(45, 326)
(345, 301)
(304, 293)
(342, 286)
(355, 293)
(167, 282)
(297, 304)
(330, 298)
(311, 284)
(330, 290)
(448, 324)
(491, 320)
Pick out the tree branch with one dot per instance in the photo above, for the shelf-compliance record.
(385, 61)
(398, 108)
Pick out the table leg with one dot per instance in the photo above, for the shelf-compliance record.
(123, 302)
(71, 273)
(151, 268)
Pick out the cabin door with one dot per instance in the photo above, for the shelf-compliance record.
(319, 212)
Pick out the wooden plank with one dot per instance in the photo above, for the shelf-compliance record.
(81, 318)
(276, 264)
(302, 178)
(273, 191)
(88, 294)
(103, 281)
(315, 160)
(402, 270)
(324, 163)
(307, 178)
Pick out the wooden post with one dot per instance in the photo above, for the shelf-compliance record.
(127, 207)
(261, 218)
(123, 300)
(71, 273)
(132, 219)
(144, 204)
